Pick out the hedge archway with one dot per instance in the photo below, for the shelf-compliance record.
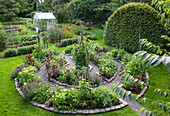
(125, 24)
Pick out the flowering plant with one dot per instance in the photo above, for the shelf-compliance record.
(108, 67)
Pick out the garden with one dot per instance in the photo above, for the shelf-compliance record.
(119, 65)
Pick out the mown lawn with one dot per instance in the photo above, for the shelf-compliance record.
(158, 78)
(11, 103)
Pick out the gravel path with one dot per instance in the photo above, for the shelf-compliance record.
(133, 104)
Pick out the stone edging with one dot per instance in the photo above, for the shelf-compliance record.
(144, 89)
(42, 64)
(86, 111)
(67, 85)
(66, 54)
(108, 80)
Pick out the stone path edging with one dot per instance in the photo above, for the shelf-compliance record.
(108, 80)
(67, 85)
(86, 111)
(144, 89)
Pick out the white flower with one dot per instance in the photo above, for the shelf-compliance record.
(25, 83)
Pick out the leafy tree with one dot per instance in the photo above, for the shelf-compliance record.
(159, 55)
(28, 6)
(9, 9)
(152, 59)
(90, 10)
(2, 38)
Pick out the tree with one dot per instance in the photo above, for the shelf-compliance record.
(159, 55)
(9, 9)
(153, 59)
(2, 38)
(90, 10)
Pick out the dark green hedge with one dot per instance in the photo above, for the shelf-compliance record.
(19, 51)
(125, 24)
(25, 50)
(10, 52)
(66, 42)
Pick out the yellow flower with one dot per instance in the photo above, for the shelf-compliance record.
(19, 28)
(22, 31)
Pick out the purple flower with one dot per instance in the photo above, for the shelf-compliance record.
(110, 93)
(100, 92)
(53, 85)
(134, 76)
(114, 45)
(77, 102)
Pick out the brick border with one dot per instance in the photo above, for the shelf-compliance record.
(67, 85)
(108, 80)
(86, 111)
(144, 89)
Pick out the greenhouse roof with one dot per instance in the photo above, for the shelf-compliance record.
(44, 15)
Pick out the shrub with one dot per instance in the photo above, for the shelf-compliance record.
(97, 49)
(68, 50)
(95, 80)
(3, 40)
(105, 49)
(108, 67)
(121, 54)
(27, 75)
(85, 33)
(114, 52)
(96, 58)
(55, 35)
(79, 57)
(10, 52)
(29, 89)
(14, 74)
(136, 69)
(78, 32)
(26, 43)
(25, 50)
(104, 97)
(134, 87)
(128, 21)
(67, 42)
(29, 60)
(37, 52)
(91, 37)
(25, 38)
(43, 93)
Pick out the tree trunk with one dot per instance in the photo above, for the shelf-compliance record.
(89, 25)
(71, 20)
(168, 66)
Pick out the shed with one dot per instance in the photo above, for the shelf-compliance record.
(47, 17)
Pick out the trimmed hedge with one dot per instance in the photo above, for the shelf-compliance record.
(19, 51)
(125, 24)
(26, 43)
(10, 52)
(25, 50)
(66, 42)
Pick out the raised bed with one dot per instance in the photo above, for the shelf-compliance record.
(106, 79)
(85, 111)
(143, 90)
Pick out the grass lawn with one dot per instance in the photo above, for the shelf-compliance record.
(11, 103)
(159, 78)
(1, 53)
